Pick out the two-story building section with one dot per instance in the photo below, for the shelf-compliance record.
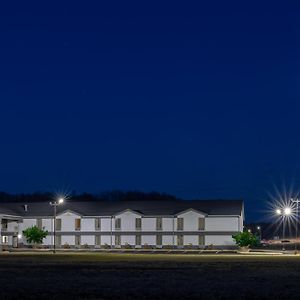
(116, 224)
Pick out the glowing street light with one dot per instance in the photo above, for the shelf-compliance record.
(55, 204)
(286, 212)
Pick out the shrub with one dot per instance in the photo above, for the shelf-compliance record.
(35, 234)
(146, 246)
(246, 239)
(85, 246)
(66, 246)
(127, 246)
(105, 246)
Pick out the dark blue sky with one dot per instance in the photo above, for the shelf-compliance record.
(200, 101)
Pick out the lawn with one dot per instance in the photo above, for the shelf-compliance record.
(148, 276)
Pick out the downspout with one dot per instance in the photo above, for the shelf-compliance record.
(173, 232)
(111, 232)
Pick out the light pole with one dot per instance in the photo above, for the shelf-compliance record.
(55, 204)
(259, 231)
(297, 206)
(284, 213)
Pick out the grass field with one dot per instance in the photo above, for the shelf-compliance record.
(148, 276)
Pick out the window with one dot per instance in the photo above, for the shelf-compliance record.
(77, 240)
(179, 240)
(39, 223)
(97, 224)
(201, 224)
(4, 224)
(4, 239)
(159, 240)
(58, 224)
(158, 223)
(138, 240)
(77, 224)
(117, 223)
(97, 240)
(201, 240)
(179, 223)
(138, 223)
(117, 240)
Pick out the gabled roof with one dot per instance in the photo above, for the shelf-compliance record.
(192, 209)
(109, 208)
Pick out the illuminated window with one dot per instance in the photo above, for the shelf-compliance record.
(77, 224)
(4, 239)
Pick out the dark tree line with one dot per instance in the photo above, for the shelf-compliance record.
(114, 195)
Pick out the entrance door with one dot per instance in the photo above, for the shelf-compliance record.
(15, 242)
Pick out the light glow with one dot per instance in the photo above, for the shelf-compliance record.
(61, 200)
(287, 211)
(278, 211)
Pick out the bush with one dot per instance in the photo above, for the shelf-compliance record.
(66, 246)
(85, 246)
(105, 246)
(127, 246)
(246, 239)
(35, 235)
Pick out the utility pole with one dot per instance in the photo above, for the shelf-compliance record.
(55, 204)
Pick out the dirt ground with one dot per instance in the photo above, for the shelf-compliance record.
(138, 276)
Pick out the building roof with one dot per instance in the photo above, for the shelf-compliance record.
(108, 208)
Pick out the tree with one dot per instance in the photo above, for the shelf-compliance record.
(35, 234)
(245, 239)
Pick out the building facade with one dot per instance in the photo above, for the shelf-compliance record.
(125, 224)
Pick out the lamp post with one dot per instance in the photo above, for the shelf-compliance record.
(284, 213)
(259, 231)
(55, 204)
(297, 206)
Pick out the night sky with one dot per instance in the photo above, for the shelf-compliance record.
(193, 100)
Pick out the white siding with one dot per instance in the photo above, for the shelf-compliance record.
(105, 224)
(219, 240)
(190, 220)
(28, 223)
(222, 224)
(129, 239)
(88, 239)
(149, 239)
(149, 224)
(68, 221)
(47, 224)
(88, 224)
(69, 239)
(167, 240)
(127, 220)
(191, 239)
(167, 224)
(105, 239)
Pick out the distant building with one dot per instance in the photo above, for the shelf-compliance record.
(119, 224)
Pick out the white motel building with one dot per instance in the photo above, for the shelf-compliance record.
(117, 224)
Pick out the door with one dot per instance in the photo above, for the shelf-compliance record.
(15, 241)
